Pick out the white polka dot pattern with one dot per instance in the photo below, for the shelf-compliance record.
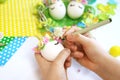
(10, 49)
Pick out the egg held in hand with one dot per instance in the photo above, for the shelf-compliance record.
(75, 9)
(57, 10)
(51, 50)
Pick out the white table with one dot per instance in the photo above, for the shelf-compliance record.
(22, 66)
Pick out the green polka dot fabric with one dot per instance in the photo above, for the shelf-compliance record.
(5, 40)
(12, 45)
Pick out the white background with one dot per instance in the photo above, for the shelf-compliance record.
(22, 66)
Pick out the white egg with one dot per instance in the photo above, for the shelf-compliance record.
(75, 9)
(57, 10)
(51, 50)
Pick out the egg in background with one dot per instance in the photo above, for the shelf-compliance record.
(57, 10)
(75, 9)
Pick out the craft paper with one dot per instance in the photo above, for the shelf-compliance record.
(12, 45)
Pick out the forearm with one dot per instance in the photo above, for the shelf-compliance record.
(55, 77)
(109, 68)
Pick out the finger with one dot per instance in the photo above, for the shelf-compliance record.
(78, 54)
(67, 64)
(89, 35)
(67, 43)
(36, 50)
(73, 29)
(40, 60)
(69, 58)
(72, 46)
(62, 56)
(78, 38)
(38, 56)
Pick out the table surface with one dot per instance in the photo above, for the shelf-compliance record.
(22, 66)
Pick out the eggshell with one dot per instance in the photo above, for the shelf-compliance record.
(51, 50)
(57, 10)
(75, 9)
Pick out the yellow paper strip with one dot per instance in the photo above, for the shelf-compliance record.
(16, 18)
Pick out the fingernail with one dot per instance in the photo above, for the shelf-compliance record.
(36, 51)
(70, 37)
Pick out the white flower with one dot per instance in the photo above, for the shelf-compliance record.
(58, 32)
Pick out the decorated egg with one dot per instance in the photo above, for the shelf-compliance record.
(75, 9)
(57, 10)
(51, 50)
(115, 51)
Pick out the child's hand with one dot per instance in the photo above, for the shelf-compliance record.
(55, 70)
(84, 48)
(90, 54)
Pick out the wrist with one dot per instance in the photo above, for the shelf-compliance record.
(102, 61)
(101, 68)
(108, 68)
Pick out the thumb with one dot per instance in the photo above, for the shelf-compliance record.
(61, 58)
(78, 38)
(39, 58)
